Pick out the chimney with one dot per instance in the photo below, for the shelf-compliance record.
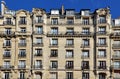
(2, 7)
(63, 10)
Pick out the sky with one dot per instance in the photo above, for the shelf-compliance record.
(68, 4)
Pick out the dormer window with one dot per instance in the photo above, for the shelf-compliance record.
(55, 12)
(70, 12)
(85, 13)
(117, 22)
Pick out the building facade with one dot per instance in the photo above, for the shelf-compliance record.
(60, 44)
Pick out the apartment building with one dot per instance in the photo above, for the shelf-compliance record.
(60, 44)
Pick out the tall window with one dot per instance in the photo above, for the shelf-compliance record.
(8, 31)
(85, 75)
(39, 40)
(85, 31)
(22, 64)
(69, 75)
(70, 31)
(22, 52)
(54, 21)
(39, 29)
(102, 30)
(22, 20)
(39, 19)
(69, 53)
(85, 53)
(38, 64)
(70, 21)
(102, 76)
(54, 53)
(102, 64)
(69, 64)
(22, 42)
(54, 30)
(53, 41)
(117, 53)
(7, 42)
(102, 19)
(85, 21)
(54, 64)
(6, 75)
(86, 42)
(85, 64)
(8, 21)
(22, 75)
(53, 75)
(102, 41)
(6, 64)
(38, 52)
(102, 53)
(116, 64)
(6, 53)
(69, 42)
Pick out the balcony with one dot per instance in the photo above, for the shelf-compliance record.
(69, 67)
(116, 67)
(115, 34)
(21, 66)
(101, 33)
(69, 46)
(85, 67)
(7, 33)
(38, 67)
(70, 22)
(101, 56)
(86, 34)
(84, 57)
(6, 56)
(38, 54)
(22, 44)
(54, 55)
(7, 23)
(69, 56)
(101, 44)
(21, 55)
(103, 21)
(5, 45)
(38, 21)
(22, 22)
(85, 45)
(38, 44)
(6, 67)
(102, 67)
(23, 78)
(53, 67)
(116, 46)
(116, 57)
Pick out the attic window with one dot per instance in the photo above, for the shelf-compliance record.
(55, 12)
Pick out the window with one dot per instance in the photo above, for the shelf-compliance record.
(69, 64)
(102, 64)
(53, 75)
(22, 42)
(39, 29)
(117, 53)
(116, 64)
(85, 13)
(6, 64)
(116, 42)
(39, 40)
(54, 53)
(102, 76)
(70, 12)
(6, 75)
(70, 21)
(38, 76)
(55, 12)
(69, 42)
(85, 75)
(7, 42)
(54, 64)
(38, 52)
(85, 21)
(85, 53)
(85, 42)
(6, 53)
(69, 53)
(69, 75)
(38, 64)
(102, 19)
(54, 30)
(54, 42)
(8, 21)
(70, 31)
(117, 22)
(22, 52)
(102, 53)
(22, 75)
(102, 30)
(23, 30)
(8, 31)
(85, 31)
(22, 64)
(39, 19)
(22, 20)
(54, 21)
(85, 64)
(102, 41)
